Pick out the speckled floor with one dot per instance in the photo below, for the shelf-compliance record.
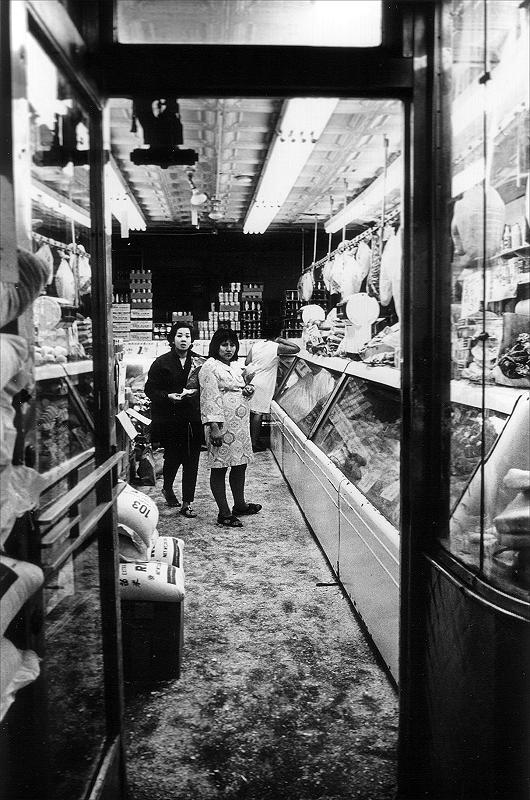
(280, 696)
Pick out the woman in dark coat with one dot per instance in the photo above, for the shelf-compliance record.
(176, 415)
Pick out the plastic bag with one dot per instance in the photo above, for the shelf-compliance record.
(18, 668)
(13, 353)
(18, 581)
(20, 488)
(16, 297)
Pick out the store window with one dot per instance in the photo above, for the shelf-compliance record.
(74, 672)
(490, 443)
(323, 23)
(60, 232)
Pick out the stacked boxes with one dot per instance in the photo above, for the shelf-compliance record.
(121, 320)
(251, 310)
(141, 305)
(226, 314)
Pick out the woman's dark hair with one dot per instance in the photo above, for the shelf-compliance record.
(223, 335)
(173, 332)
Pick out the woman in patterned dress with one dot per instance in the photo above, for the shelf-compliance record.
(224, 396)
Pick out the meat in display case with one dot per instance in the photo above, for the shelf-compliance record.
(305, 393)
(360, 435)
(337, 440)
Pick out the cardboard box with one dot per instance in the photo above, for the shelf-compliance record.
(140, 336)
(142, 313)
(121, 316)
(121, 327)
(141, 325)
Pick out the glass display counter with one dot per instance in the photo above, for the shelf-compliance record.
(337, 441)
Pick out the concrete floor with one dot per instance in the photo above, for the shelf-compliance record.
(280, 696)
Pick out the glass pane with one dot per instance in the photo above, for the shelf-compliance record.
(74, 672)
(60, 192)
(489, 80)
(323, 23)
(306, 392)
(284, 363)
(361, 435)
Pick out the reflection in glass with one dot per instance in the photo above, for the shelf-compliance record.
(490, 450)
(322, 23)
(74, 672)
(60, 192)
(306, 392)
(361, 435)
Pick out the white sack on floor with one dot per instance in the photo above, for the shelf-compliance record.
(151, 580)
(169, 550)
(139, 512)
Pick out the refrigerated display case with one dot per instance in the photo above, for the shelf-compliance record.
(337, 432)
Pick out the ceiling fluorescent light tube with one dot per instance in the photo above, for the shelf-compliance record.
(302, 123)
(367, 205)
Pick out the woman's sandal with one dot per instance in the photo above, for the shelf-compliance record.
(188, 512)
(252, 508)
(229, 522)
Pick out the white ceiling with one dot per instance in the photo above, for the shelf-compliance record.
(232, 137)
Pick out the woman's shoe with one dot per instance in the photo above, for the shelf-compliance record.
(229, 522)
(171, 499)
(188, 512)
(252, 508)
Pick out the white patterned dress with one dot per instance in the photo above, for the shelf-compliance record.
(222, 401)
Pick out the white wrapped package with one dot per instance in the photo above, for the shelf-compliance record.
(65, 281)
(305, 286)
(169, 550)
(335, 283)
(139, 512)
(390, 275)
(351, 276)
(18, 668)
(18, 581)
(364, 257)
(151, 580)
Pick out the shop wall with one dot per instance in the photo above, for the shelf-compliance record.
(188, 270)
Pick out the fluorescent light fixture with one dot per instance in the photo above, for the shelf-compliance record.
(367, 205)
(43, 195)
(302, 123)
(118, 198)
